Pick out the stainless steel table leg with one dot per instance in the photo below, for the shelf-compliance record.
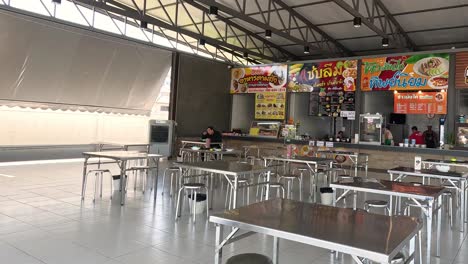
(155, 179)
(218, 240)
(429, 230)
(83, 186)
(234, 196)
(462, 205)
(267, 194)
(439, 221)
(275, 250)
(412, 248)
(123, 180)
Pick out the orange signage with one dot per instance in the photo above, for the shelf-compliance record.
(420, 103)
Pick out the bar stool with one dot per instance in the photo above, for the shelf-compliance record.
(377, 204)
(289, 180)
(273, 185)
(174, 173)
(136, 172)
(447, 200)
(249, 258)
(303, 171)
(241, 183)
(193, 188)
(98, 182)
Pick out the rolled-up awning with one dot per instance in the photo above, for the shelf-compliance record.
(47, 65)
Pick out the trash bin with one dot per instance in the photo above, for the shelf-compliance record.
(116, 182)
(200, 201)
(326, 195)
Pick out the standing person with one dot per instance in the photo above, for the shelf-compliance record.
(430, 137)
(388, 136)
(416, 135)
(211, 135)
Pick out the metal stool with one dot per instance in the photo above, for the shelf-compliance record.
(241, 183)
(398, 259)
(249, 258)
(289, 180)
(274, 185)
(136, 170)
(173, 173)
(302, 171)
(98, 182)
(193, 188)
(412, 204)
(376, 204)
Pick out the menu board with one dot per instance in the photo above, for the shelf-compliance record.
(331, 103)
(270, 105)
(328, 75)
(410, 72)
(420, 103)
(461, 70)
(270, 78)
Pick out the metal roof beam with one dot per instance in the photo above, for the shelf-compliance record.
(241, 15)
(246, 31)
(312, 26)
(379, 23)
(132, 13)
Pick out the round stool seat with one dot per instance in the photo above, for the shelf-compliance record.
(249, 258)
(172, 168)
(242, 180)
(447, 193)
(376, 203)
(302, 169)
(398, 259)
(99, 170)
(193, 185)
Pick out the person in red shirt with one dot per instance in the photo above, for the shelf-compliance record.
(416, 135)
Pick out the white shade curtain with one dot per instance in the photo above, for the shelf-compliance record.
(47, 65)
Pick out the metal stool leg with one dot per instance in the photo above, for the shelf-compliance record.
(101, 175)
(178, 205)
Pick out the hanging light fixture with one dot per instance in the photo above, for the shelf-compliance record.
(202, 42)
(357, 22)
(306, 50)
(143, 24)
(267, 33)
(246, 55)
(213, 11)
(385, 42)
(57, 2)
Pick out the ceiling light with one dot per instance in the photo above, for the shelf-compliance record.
(213, 11)
(267, 33)
(143, 24)
(357, 22)
(202, 42)
(246, 55)
(58, 2)
(306, 50)
(385, 42)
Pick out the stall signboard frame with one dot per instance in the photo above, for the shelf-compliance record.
(268, 78)
(406, 72)
(420, 103)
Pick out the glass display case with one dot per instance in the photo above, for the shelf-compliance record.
(370, 129)
(461, 139)
(265, 129)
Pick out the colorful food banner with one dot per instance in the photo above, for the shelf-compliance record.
(420, 103)
(326, 76)
(271, 78)
(416, 72)
(461, 70)
(270, 105)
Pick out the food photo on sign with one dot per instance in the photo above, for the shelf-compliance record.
(270, 78)
(409, 72)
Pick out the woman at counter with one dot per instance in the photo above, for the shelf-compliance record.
(416, 136)
(388, 136)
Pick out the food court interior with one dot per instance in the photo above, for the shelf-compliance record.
(233, 131)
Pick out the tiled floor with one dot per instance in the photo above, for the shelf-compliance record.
(42, 220)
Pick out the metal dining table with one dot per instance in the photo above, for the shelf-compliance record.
(426, 193)
(352, 156)
(227, 168)
(456, 179)
(430, 163)
(121, 158)
(217, 154)
(312, 163)
(199, 143)
(355, 232)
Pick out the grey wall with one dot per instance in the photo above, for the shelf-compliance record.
(202, 95)
(243, 113)
(316, 127)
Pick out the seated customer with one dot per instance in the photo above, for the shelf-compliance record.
(416, 135)
(211, 135)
